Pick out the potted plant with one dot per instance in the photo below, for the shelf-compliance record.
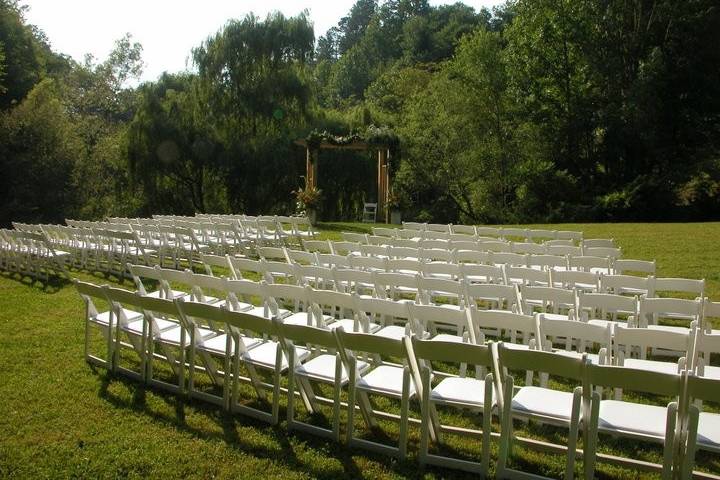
(393, 205)
(307, 202)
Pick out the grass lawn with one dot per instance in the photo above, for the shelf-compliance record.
(61, 418)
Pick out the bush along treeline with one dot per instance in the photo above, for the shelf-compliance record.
(562, 110)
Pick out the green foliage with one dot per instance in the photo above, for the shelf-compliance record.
(39, 148)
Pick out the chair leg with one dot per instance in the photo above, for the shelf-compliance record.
(425, 416)
(351, 405)
(404, 407)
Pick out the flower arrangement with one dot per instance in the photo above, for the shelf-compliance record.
(308, 198)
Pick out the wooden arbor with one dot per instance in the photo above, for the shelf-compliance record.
(383, 175)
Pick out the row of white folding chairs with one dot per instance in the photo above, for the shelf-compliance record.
(538, 274)
(574, 303)
(313, 353)
(29, 253)
(358, 242)
(296, 228)
(496, 232)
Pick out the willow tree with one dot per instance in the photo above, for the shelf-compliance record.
(253, 79)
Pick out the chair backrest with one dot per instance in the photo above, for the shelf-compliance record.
(472, 256)
(704, 344)
(430, 316)
(508, 322)
(671, 308)
(349, 280)
(368, 263)
(369, 212)
(541, 361)
(495, 246)
(515, 232)
(382, 309)
(442, 269)
(305, 334)
(316, 246)
(541, 234)
(599, 305)
(414, 226)
(549, 261)
(607, 252)
(272, 253)
(529, 247)
(476, 273)
(200, 284)
(239, 265)
(573, 279)
(682, 285)
(569, 235)
(375, 250)
(437, 255)
(580, 335)
(620, 284)
(403, 253)
(90, 292)
(378, 240)
(507, 258)
(246, 290)
(551, 299)
(484, 231)
(139, 272)
(526, 276)
(301, 256)
(406, 242)
(196, 314)
(210, 261)
(463, 229)
(587, 263)
(623, 265)
(643, 339)
(598, 242)
(499, 297)
(369, 343)
(240, 321)
(387, 283)
(564, 250)
(385, 232)
(332, 260)
(632, 379)
(345, 247)
(405, 265)
(425, 351)
(360, 238)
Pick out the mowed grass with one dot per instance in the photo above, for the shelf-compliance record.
(60, 417)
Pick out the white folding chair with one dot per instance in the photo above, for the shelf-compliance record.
(631, 347)
(104, 320)
(606, 309)
(267, 355)
(554, 303)
(458, 391)
(495, 297)
(701, 430)
(387, 313)
(628, 285)
(550, 406)
(386, 379)
(637, 421)
(323, 365)
(576, 280)
(576, 339)
(623, 265)
(330, 309)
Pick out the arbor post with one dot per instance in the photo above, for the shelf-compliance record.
(311, 168)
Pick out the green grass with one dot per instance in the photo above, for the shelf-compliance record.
(61, 418)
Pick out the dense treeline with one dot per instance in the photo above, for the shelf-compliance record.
(542, 110)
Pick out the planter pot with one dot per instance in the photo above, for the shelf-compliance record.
(312, 216)
(395, 217)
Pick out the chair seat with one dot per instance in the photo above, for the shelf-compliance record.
(447, 337)
(555, 316)
(173, 335)
(543, 402)
(711, 372)
(322, 368)
(632, 418)
(263, 355)
(103, 318)
(174, 293)
(218, 344)
(386, 379)
(396, 332)
(299, 318)
(136, 326)
(669, 328)
(593, 357)
(469, 392)
(348, 325)
(651, 365)
(708, 436)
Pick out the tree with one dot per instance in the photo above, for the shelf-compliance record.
(38, 147)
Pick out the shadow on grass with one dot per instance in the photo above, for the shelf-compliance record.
(52, 285)
(277, 444)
